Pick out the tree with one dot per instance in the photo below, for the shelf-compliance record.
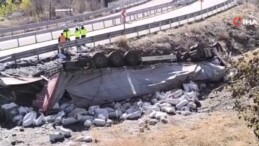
(7, 8)
(25, 5)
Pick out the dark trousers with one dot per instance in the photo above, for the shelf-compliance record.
(68, 39)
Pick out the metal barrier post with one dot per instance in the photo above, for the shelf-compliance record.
(18, 42)
(92, 27)
(104, 24)
(149, 31)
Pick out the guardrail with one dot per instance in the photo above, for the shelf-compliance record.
(52, 23)
(208, 12)
(92, 25)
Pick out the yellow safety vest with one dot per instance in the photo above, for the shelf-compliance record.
(77, 34)
(68, 34)
(65, 34)
(83, 31)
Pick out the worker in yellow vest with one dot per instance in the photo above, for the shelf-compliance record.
(64, 33)
(77, 33)
(67, 34)
(83, 32)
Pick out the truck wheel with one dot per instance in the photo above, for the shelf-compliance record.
(100, 60)
(132, 58)
(115, 59)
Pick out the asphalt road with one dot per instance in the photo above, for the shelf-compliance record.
(181, 11)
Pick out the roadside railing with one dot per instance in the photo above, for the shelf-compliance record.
(53, 33)
(172, 22)
(64, 21)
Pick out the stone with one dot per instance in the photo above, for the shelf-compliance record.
(65, 132)
(177, 93)
(29, 118)
(190, 87)
(69, 121)
(109, 121)
(64, 106)
(160, 96)
(124, 116)
(160, 115)
(134, 115)
(2, 66)
(161, 105)
(157, 115)
(126, 105)
(151, 108)
(181, 104)
(109, 109)
(58, 118)
(191, 96)
(83, 118)
(186, 113)
(140, 103)
(23, 110)
(168, 110)
(88, 123)
(91, 109)
(132, 109)
(9, 106)
(192, 105)
(17, 118)
(102, 113)
(99, 122)
(69, 108)
(117, 105)
(116, 114)
(56, 137)
(77, 111)
(172, 101)
(154, 101)
(185, 108)
(86, 139)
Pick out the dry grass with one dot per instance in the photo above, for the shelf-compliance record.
(219, 129)
(122, 42)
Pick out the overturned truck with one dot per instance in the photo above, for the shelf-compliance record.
(96, 78)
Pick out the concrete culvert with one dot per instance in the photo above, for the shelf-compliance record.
(132, 58)
(99, 60)
(115, 59)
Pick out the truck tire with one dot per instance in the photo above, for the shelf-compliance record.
(99, 60)
(115, 59)
(131, 58)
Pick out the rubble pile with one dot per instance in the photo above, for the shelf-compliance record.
(153, 107)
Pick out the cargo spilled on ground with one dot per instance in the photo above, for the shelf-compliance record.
(184, 116)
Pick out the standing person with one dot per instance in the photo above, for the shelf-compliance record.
(62, 38)
(65, 33)
(77, 33)
(68, 34)
(83, 32)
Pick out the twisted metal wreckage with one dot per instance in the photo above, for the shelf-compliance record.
(96, 78)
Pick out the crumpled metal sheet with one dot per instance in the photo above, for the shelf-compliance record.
(93, 87)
